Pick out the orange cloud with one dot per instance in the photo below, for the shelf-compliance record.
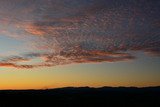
(77, 55)
(34, 30)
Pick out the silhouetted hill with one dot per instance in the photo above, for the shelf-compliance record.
(82, 97)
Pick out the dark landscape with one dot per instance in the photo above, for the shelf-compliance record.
(82, 97)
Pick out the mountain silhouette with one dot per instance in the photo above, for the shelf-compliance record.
(82, 97)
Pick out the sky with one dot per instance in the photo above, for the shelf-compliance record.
(61, 43)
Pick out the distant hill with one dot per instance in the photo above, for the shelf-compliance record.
(82, 97)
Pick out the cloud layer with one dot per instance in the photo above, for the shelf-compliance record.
(80, 31)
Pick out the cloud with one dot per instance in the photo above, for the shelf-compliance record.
(81, 31)
(15, 66)
(65, 57)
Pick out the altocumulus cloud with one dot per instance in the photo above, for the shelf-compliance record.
(81, 31)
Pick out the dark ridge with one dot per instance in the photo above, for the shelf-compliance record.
(82, 97)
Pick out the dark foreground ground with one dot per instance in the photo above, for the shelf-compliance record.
(82, 97)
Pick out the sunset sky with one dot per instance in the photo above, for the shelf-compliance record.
(61, 43)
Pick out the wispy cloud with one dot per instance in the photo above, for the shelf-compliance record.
(81, 31)
(64, 57)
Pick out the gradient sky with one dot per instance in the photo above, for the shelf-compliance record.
(59, 43)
